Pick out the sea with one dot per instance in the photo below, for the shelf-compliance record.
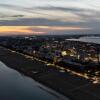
(89, 39)
(16, 86)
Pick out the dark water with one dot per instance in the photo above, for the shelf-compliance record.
(14, 86)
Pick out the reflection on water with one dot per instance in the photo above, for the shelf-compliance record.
(88, 39)
(91, 39)
(14, 86)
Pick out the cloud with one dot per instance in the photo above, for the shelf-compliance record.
(37, 30)
(67, 14)
(58, 14)
(36, 22)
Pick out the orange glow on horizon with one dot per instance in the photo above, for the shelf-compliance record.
(67, 28)
(18, 30)
(27, 30)
(62, 28)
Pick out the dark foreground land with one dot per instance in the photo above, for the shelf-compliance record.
(74, 87)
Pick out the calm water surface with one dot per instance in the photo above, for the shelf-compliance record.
(15, 86)
(88, 39)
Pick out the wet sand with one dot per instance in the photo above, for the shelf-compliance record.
(74, 87)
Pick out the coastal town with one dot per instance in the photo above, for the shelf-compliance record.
(78, 56)
(61, 63)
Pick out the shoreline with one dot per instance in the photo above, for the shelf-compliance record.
(33, 75)
(49, 76)
(38, 85)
